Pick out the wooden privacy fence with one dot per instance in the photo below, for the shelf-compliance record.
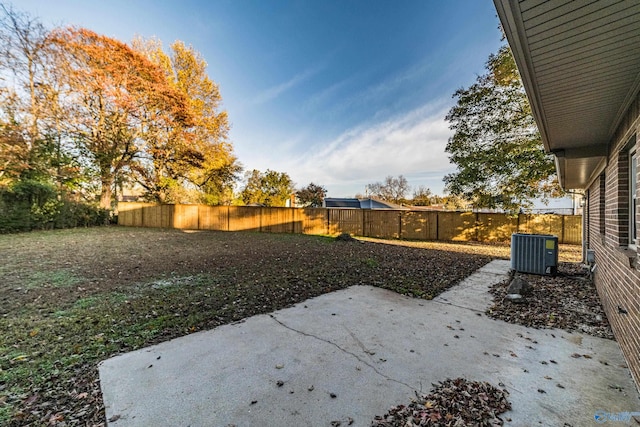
(410, 225)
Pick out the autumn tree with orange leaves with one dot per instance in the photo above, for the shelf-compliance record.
(114, 99)
(83, 115)
(201, 155)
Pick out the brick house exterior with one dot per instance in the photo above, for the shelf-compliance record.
(617, 276)
(580, 66)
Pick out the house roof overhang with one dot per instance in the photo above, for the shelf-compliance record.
(580, 66)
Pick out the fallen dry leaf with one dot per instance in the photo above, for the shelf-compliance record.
(567, 301)
(459, 402)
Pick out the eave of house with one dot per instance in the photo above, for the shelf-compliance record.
(580, 65)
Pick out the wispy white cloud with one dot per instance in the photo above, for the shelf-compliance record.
(380, 91)
(328, 94)
(411, 144)
(275, 91)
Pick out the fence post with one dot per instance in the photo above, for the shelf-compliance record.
(476, 225)
(438, 226)
(364, 223)
(327, 221)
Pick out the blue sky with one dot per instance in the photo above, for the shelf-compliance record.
(339, 93)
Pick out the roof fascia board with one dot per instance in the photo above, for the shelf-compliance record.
(600, 150)
(511, 19)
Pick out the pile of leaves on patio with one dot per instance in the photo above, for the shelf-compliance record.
(567, 301)
(457, 402)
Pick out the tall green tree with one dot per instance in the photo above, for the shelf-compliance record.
(270, 188)
(496, 145)
(312, 195)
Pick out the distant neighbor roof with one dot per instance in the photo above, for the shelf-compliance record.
(369, 203)
(341, 203)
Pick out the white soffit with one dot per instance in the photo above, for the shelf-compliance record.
(580, 64)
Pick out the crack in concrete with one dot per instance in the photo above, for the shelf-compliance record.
(443, 302)
(388, 378)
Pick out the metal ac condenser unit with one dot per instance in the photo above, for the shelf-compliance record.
(534, 253)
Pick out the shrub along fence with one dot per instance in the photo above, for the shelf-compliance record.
(31, 205)
(410, 225)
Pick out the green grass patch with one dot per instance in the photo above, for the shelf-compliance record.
(55, 278)
(84, 303)
(370, 262)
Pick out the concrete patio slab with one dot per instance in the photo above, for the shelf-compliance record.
(352, 354)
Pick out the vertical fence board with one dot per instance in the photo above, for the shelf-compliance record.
(185, 217)
(213, 217)
(572, 230)
(346, 221)
(554, 225)
(415, 225)
(432, 225)
(166, 215)
(540, 224)
(313, 221)
(244, 218)
(148, 216)
(152, 216)
(277, 220)
(456, 226)
(495, 227)
(297, 218)
(131, 213)
(382, 224)
(124, 217)
(137, 217)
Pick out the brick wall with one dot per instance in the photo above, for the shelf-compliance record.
(617, 276)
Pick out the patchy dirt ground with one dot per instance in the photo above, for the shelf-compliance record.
(567, 301)
(50, 269)
(70, 298)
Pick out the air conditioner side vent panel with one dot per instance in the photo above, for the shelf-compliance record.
(534, 253)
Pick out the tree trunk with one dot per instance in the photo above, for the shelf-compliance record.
(105, 193)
